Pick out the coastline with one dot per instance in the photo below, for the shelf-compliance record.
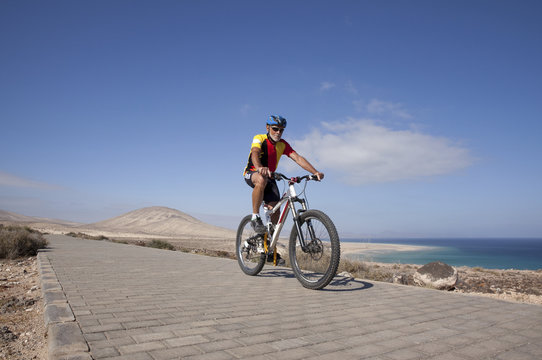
(503, 254)
(357, 248)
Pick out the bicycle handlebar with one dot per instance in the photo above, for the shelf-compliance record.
(297, 179)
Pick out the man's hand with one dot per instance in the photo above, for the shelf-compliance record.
(319, 175)
(264, 171)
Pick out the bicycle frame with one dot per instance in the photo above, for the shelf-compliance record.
(290, 198)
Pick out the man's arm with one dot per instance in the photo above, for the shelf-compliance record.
(255, 157)
(305, 164)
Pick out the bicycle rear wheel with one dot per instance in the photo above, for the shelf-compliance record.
(317, 265)
(249, 258)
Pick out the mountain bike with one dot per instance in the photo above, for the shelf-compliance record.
(313, 249)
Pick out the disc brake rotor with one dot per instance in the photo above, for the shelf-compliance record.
(316, 249)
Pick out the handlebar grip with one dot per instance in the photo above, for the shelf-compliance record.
(279, 176)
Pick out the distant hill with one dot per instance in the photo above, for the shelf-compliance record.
(14, 217)
(145, 222)
(158, 220)
(9, 216)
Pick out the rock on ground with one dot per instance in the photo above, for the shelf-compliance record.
(437, 275)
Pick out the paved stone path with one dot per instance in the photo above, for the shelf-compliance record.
(134, 303)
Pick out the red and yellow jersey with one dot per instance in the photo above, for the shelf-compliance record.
(270, 154)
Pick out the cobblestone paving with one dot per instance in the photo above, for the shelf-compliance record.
(135, 303)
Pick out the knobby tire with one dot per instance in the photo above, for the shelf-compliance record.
(316, 268)
(250, 261)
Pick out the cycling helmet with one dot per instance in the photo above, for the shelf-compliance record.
(277, 120)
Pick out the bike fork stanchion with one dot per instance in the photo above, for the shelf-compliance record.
(311, 230)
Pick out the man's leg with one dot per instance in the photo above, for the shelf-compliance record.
(276, 215)
(258, 183)
(257, 193)
(274, 219)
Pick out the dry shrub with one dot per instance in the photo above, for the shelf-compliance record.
(18, 241)
(210, 252)
(87, 236)
(361, 270)
(161, 244)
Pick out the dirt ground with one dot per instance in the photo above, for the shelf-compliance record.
(22, 327)
(524, 286)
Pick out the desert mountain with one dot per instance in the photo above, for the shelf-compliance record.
(18, 218)
(9, 216)
(159, 220)
(148, 222)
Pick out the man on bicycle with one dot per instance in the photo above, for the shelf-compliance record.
(264, 157)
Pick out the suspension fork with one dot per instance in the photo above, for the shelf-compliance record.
(309, 222)
(297, 222)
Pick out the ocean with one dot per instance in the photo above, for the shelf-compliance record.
(521, 254)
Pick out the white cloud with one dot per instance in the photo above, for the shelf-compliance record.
(362, 151)
(326, 86)
(9, 180)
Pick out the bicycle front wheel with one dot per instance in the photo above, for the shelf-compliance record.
(250, 259)
(316, 265)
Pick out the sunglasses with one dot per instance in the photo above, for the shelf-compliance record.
(277, 129)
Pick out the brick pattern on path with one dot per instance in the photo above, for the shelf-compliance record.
(132, 302)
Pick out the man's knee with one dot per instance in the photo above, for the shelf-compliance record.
(270, 205)
(258, 180)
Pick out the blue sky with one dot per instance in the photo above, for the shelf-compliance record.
(424, 115)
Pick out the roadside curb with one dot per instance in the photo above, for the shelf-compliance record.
(65, 338)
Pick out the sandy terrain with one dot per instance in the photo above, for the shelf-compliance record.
(22, 328)
(350, 248)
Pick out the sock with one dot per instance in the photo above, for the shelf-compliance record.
(254, 216)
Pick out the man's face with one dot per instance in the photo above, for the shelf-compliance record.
(275, 132)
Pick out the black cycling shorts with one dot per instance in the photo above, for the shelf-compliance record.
(271, 193)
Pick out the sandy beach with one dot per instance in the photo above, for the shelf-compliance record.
(368, 249)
